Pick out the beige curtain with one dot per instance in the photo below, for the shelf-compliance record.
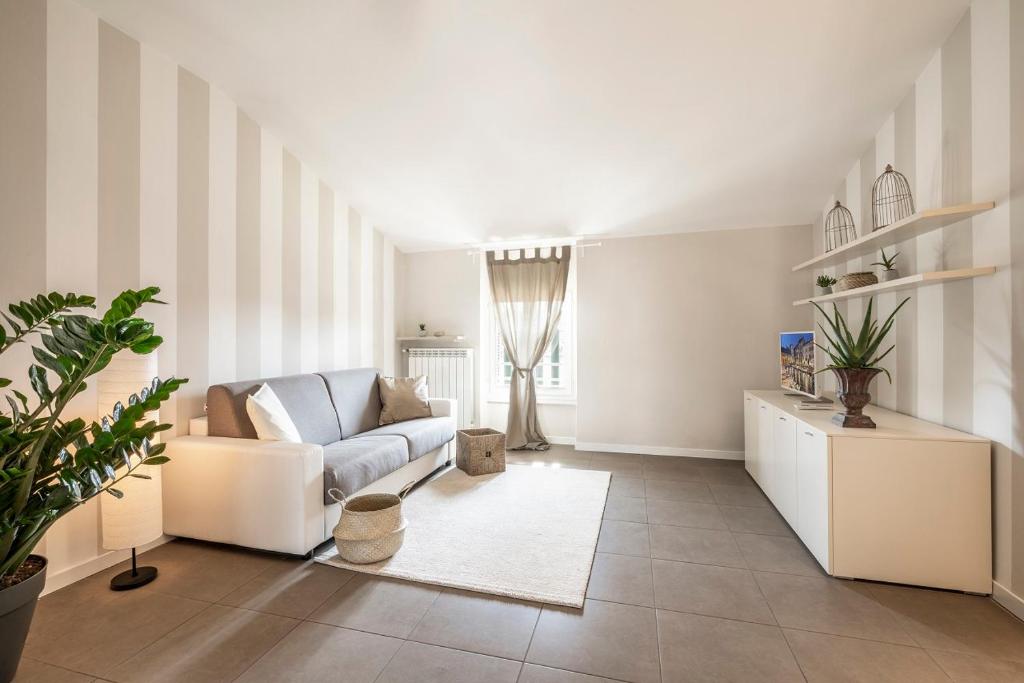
(527, 293)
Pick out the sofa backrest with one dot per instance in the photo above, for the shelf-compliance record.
(305, 397)
(356, 399)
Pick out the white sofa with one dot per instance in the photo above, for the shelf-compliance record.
(270, 495)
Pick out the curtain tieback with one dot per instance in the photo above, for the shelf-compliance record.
(523, 372)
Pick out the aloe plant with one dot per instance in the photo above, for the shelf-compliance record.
(887, 262)
(860, 351)
(49, 465)
(824, 281)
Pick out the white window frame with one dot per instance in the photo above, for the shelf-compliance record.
(497, 390)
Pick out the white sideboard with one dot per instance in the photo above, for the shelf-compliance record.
(908, 502)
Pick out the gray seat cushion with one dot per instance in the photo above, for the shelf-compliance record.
(305, 397)
(422, 434)
(356, 399)
(354, 463)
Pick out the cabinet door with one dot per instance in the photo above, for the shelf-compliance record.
(765, 456)
(750, 434)
(813, 491)
(784, 467)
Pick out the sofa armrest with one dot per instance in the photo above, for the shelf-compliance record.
(444, 407)
(257, 494)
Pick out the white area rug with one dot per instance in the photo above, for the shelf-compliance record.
(527, 533)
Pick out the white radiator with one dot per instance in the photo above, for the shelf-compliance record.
(449, 375)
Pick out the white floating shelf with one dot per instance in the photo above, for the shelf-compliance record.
(909, 282)
(912, 226)
(430, 337)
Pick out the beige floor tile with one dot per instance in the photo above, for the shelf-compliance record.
(532, 673)
(201, 571)
(602, 639)
(289, 588)
(733, 476)
(31, 671)
(747, 496)
(480, 623)
(386, 606)
(632, 487)
(827, 605)
(618, 578)
(624, 538)
(834, 659)
(107, 627)
(625, 509)
(316, 652)
(760, 520)
(970, 669)
(673, 471)
(623, 464)
(686, 491)
(704, 546)
(777, 554)
(697, 648)
(218, 644)
(939, 620)
(709, 590)
(419, 663)
(680, 513)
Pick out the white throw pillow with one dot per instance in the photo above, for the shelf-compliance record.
(269, 417)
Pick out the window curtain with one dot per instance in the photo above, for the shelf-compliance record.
(527, 292)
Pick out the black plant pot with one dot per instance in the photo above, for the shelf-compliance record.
(17, 605)
(852, 392)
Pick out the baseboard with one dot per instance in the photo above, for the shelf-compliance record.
(1008, 599)
(562, 440)
(659, 450)
(68, 576)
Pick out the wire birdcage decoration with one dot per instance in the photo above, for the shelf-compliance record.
(839, 227)
(891, 200)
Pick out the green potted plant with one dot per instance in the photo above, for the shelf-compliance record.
(825, 282)
(855, 360)
(422, 332)
(888, 265)
(51, 464)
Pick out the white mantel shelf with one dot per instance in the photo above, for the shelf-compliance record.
(909, 282)
(912, 226)
(430, 337)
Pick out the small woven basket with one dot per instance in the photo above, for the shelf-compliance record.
(854, 280)
(480, 451)
(371, 527)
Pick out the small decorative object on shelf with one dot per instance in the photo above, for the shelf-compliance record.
(439, 333)
(422, 332)
(888, 264)
(854, 280)
(854, 360)
(839, 227)
(891, 200)
(825, 282)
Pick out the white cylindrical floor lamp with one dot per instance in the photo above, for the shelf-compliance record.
(137, 518)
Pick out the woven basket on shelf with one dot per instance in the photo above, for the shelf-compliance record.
(371, 527)
(854, 280)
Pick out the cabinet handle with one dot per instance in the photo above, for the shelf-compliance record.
(764, 408)
(783, 419)
(808, 434)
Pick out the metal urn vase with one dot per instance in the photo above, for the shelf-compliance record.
(852, 391)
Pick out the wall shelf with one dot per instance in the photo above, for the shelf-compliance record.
(912, 226)
(909, 282)
(430, 337)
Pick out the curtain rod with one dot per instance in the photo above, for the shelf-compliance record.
(540, 244)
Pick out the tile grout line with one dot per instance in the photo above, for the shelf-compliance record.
(778, 625)
(654, 596)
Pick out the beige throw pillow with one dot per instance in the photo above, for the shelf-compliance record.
(403, 398)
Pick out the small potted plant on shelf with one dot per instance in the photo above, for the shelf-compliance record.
(825, 282)
(51, 463)
(888, 264)
(422, 332)
(855, 360)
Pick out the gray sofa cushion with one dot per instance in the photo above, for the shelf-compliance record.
(354, 463)
(422, 434)
(305, 398)
(356, 399)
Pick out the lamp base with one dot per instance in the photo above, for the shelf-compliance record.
(130, 578)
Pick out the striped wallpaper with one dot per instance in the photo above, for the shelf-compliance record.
(954, 361)
(121, 169)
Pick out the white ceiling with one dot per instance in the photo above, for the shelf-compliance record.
(450, 122)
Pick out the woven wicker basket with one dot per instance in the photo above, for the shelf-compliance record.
(854, 280)
(371, 527)
(480, 451)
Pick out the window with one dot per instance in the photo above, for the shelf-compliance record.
(555, 374)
